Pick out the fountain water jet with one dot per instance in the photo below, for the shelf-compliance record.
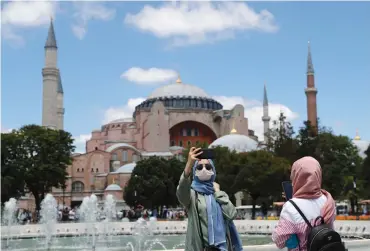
(110, 214)
(9, 216)
(49, 214)
(89, 214)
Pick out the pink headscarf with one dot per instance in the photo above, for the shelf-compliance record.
(306, 179)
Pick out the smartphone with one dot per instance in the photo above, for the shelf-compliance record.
(207, 154)
(288, 189)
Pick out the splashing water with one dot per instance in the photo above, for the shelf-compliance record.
(141, 230)
(89, 214)
(49, 213)
(9, 217)
(111, 214)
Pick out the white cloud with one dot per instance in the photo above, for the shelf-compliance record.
(87, 11)
(5, 130)
(18, 15)
(80, 142)
(149, 76)
(253, 111)
(125, 111)
(200, 22)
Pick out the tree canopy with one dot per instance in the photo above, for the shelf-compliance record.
(40, 156)
(153, 183)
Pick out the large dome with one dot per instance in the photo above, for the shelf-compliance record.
(180, 96)
(236, 142)
(178, 89)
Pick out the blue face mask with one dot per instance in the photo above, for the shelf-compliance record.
(292, 242)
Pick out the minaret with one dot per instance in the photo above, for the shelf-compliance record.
(60, 104)
(265, 118)
(311, 92)
(52, 96)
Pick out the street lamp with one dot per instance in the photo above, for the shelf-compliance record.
(355, 190)
(135, 193)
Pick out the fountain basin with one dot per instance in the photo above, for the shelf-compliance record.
(250, 227)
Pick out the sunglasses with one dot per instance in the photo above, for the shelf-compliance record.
(207, 166)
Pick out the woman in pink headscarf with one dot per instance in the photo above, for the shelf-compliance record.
(292, 230)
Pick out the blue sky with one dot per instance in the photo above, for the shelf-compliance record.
(227, 49)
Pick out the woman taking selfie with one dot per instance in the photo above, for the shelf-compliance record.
(210, 212)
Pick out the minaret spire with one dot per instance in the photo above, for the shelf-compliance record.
(265, 118)
(51, 41)
(311, 93)
(310, 70)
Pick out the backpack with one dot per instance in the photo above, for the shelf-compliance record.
(321, 237)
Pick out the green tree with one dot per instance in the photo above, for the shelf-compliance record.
(364, 173)
(43, 155)
(281, 139)
(227, 164)
(261, 175)
(12, 180)
(153, 183)
(336, 154)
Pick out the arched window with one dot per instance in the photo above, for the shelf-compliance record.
(180, 143)
(172, 142)
(124, 156)
(188, 132)
(77, 186)
(189, 144)
(114, 156)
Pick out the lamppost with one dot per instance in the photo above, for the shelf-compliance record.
(64, 189)
(135, 193)
(354, 190)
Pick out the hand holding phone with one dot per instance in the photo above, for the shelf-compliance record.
(206, 154)
(288, 189)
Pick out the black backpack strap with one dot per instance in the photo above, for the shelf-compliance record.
(200, 224)
(300, 212)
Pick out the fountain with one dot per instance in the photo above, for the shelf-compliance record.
(49, 213)
(110, 214)
(89, 214)
(142, 235)
(9, 219)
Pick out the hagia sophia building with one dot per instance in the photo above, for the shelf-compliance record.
(172, 118)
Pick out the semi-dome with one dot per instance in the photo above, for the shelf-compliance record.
(127, 168)
(113, 187)
(178, 89)
(236, 142)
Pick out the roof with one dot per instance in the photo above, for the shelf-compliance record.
(178, 89)
(118, 145)
(122, 120)
(159, 154)
(239, 143)
(113, 187)
(127, 168)
(51, 41)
